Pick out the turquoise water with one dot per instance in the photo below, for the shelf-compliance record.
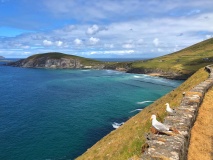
(58, 114)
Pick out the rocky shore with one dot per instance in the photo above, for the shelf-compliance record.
(160, 73)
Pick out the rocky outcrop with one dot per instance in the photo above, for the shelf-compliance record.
(160, 73)
(49, 62)
(45, 62)
(176, 147)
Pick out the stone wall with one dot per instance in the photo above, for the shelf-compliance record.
(175, 147)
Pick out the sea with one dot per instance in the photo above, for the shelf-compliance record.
(57, 114)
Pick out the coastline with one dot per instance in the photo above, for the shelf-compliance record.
(129, 138)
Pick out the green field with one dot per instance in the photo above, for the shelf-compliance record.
(186, 61)
(183, 63)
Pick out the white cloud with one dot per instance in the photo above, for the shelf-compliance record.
(93, 40)
(78, 41)
(118, 10)
(208, 36)
(47, 43)
(116, 52)
(93, 29)
(59, 43)
(128, 45)
(156, 42)
(135, 32)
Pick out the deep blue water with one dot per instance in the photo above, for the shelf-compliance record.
(58, 114)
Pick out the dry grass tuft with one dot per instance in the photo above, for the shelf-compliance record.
(201, 143)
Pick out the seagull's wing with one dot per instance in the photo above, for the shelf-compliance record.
(159, 126)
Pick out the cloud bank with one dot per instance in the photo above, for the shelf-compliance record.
(101, 28)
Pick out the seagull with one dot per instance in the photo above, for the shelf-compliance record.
(157, 125)
(168, 109)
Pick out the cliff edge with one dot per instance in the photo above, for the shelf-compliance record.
(57, 60)
(178, 65)
(128, 141)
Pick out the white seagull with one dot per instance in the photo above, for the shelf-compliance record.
(168, 109)
(157, 125)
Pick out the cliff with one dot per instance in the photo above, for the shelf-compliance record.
(57, 60)
(177, 65)
(129, 140)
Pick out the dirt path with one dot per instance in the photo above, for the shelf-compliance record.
(201, 143)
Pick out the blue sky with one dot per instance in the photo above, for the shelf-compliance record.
(103, 28)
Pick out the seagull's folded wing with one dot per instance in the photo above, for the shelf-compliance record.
(161, 127)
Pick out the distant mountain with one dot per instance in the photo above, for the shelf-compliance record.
(57, 60)
(1, 57)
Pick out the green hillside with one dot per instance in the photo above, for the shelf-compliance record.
(58, 55)
(186, 61)
(126, 142)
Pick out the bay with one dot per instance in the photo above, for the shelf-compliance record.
(59, 114)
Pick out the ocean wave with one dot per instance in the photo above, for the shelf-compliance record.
(136, 110)
(142, 76)
(117, 125)
(144, 102)
(137, 77)
(86, 70)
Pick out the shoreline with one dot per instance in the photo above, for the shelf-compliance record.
(132, 141)
(165, 75)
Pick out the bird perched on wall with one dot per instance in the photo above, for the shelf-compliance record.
(157, 125)
(169, 110)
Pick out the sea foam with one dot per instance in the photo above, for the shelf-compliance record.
(136, 110)
(144, 102)
(117, 125)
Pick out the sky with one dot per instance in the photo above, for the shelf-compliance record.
(103, 28)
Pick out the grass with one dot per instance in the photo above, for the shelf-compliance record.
(201, 146)
(126, 141)
(57, 55)
(186, 61)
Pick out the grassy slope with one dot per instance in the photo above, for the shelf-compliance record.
(186, 61)
(126, 141)
(201, 147)
(57, 55)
